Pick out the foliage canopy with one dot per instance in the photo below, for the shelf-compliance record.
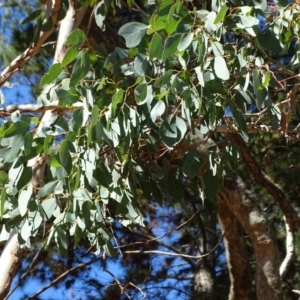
(138, 122)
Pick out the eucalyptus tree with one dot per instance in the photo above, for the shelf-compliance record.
(168, 117)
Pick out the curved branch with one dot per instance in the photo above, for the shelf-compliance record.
(290, 250)
(292, 218)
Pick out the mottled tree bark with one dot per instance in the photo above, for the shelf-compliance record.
(236, 254)
(232, 197)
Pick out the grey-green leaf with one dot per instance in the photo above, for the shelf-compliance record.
(133, 33)
(220, 68)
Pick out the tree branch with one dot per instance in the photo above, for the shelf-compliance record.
(292, 217)
(34, 108)
(267, 278)
(32, 50)
(64, 275)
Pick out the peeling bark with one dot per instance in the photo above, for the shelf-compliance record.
(267, 278)
(10, 261)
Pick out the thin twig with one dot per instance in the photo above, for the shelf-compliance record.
(26, 272)
(179, 254)
(63, 275)
(162, 236)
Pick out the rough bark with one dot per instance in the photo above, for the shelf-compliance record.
(235, 247)
(267, 278)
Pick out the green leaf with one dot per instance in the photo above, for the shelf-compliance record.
(3, 178)
(24, 178)
(67, 98)
(171, 45)
(157, 110)
(55, 162)
(185, 41)
(64, 153)
(62, 241)
(164, 79)
(52, 74)
(37, 30)
(48, 143)
(156, 47)
(80, 69)
(76, 37)
(70, 55)
(2, 204)
(211, 184)
(47, 189)
(270, 41)
(220, 68)
(240, 121)
(266, 80)
(47, 25)
(192, 163)
(17, 129)
(95, 115)
(175, 16)
(217, 49)
(133, 33)
(77, 119)
(24, 199)
(221, 15)
(140, 64)
(172, 131)
(159, 17)
(143, 93)
(32, 16)
(202, 47)
(62, 123)
(199, 74)
(260, 92)
(28, 139)
(109, 249)
(116, 100)
(47, 208)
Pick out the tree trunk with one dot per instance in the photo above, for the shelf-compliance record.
(10, 261)
(234, 203)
